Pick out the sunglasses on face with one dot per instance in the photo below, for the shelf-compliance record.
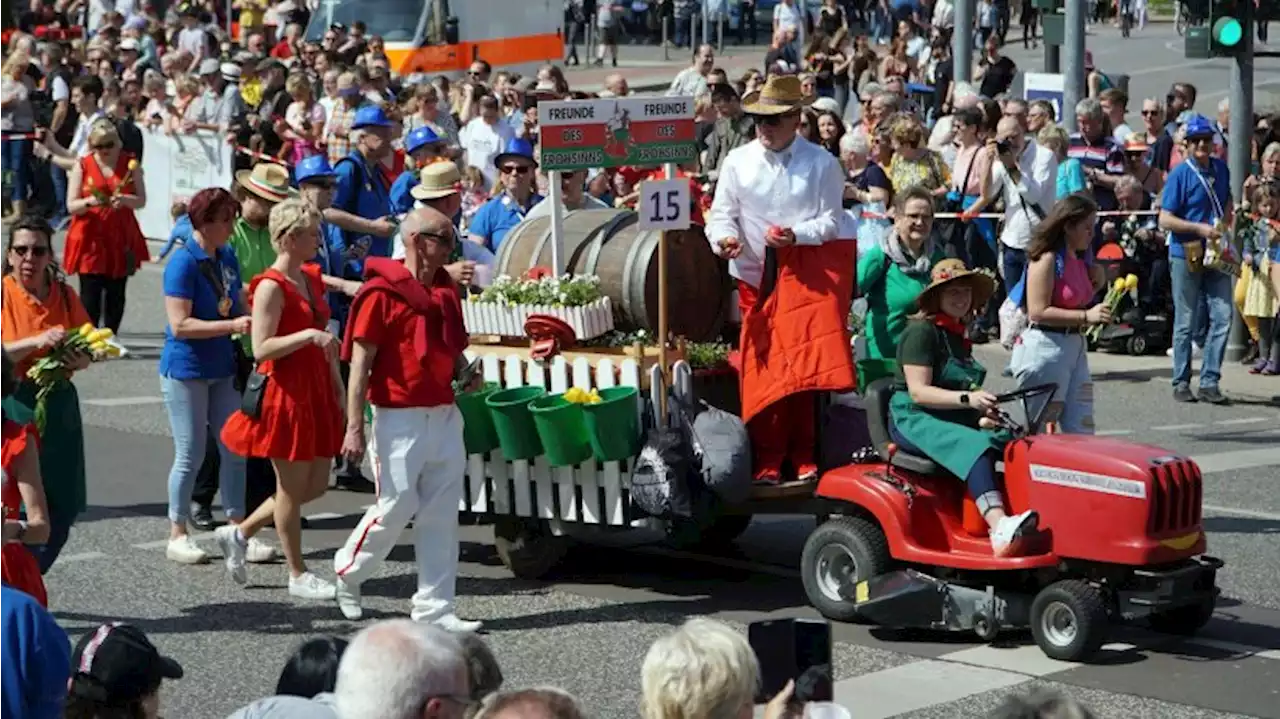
(1150, 113)
(515, 169)
(435, 236)
(775, 120)
(36, 251)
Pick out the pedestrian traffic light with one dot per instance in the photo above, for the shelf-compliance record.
(1227, 27)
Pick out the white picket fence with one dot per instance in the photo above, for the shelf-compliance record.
(590, 493)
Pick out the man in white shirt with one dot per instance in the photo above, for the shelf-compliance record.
(1115, 104)
(1027, 178)
(786, 16)
(573, 185)
(777, 207)
(692, 81)
(484, 137)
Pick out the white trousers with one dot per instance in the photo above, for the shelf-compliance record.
(418, 465)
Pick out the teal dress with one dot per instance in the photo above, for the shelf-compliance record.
(951, 438)
(62, 461)
(891, 299)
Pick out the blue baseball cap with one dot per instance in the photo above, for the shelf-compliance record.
(517, 147)
(419, 139)
(315, 167)
(370, 116)
(1198, 126)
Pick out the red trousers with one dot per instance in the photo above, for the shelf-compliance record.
(785, 429)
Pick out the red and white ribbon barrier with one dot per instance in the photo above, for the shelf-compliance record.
(262, 157)
(869, 215)
(20, 135)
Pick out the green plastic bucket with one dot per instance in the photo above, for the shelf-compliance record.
(509, 409)
(562, 429)
(870, 370)
(614, 424)
(478, 434)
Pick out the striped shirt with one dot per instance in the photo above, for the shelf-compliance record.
(1103, 154)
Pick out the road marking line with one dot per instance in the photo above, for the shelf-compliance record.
(122, 401)
(1241, 420)
(324, 516)
(1175, 427)
(1235, 647)
(919, 685)
(1238, 459)
(1241, 512)
(80, 557)
(157, 544)
(1113, 432)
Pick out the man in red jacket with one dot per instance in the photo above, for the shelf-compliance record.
(404, 340)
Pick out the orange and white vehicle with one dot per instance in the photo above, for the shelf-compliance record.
(446, 36)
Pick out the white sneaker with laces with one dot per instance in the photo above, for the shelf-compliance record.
(348, 596)
(309, 586)
(450, 622)
(259, 552)
(184, 550)
(233, 551)
(1006, 534)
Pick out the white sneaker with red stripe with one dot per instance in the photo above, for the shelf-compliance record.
(348, 596)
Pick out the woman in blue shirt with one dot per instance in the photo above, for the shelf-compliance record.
(198, 363)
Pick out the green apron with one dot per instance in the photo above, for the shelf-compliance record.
(62, 462)
(949, 437)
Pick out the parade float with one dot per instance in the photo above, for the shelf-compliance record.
(571, 399)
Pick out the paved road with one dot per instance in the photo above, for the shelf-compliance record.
(588, 630)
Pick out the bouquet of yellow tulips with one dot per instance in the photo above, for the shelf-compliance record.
(578, 395)
(1122, 287)
(54, 369)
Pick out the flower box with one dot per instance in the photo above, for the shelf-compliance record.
(493, 318)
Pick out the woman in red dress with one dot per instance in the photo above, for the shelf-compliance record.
(299, 425)
(21, 485)
(104, 243)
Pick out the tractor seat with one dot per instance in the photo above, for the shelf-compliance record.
(876, 403)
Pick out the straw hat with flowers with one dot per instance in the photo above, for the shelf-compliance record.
(781, 94)
(949, 273)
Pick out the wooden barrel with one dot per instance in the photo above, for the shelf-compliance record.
(607, 243)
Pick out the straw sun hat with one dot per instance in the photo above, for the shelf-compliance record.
(781, 94)
(268, 181)
(948, 273)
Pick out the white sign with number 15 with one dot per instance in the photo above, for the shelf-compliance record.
(664, 205)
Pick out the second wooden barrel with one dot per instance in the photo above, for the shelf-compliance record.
(607, 243)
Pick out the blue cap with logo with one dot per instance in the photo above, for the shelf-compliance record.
(517, 147)
(1198, 126)
(370, 116)
(312, 168)
(419, 139)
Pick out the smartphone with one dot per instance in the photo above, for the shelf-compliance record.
(788, 649)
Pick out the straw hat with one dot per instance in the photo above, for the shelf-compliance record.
(949, 271)
(268, 181)
(1135, 142)
(439, 179)
(781, 94)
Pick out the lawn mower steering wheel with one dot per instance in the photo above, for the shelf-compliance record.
(1022, 395)
(1027, 392)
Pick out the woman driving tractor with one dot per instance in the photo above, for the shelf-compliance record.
(944, 414)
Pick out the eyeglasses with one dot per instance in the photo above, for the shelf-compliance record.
(1150, 113)
(516, 169)
(436, 236)
(776, 120)
(36, 251)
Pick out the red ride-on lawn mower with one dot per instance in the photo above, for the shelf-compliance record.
(1120, 539)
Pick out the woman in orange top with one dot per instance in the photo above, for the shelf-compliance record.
(19, 486)
(39, 307)
(105, 244)
(299, 423)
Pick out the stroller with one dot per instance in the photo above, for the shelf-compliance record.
(1145, 326)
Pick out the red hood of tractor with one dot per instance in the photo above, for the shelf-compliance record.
(1108, 500)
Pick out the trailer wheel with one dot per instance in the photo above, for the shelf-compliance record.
(1069, 620)
(1136, 344)
(724, 529)
(527, 547)
(1183, 621)
(840, 553)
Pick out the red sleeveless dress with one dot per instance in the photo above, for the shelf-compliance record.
(105, 241)
(301, 419)
(17, 564)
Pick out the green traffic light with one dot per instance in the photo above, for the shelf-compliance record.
(1228, 31)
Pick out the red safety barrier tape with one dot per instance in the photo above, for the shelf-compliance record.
(263, 157)
(869, 215)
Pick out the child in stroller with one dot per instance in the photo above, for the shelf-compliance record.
(1134, 245)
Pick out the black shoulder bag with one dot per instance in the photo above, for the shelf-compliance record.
(255, 387)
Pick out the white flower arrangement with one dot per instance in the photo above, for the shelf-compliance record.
(506, 304)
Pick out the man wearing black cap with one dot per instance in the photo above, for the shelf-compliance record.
(116, 666)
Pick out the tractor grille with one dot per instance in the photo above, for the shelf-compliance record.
(1176, 493)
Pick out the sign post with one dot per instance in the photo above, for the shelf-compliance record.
(1045, 86)
(615, 132)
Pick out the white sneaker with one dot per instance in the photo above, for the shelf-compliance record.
(348, 596)
(233, 551)
(450, 622)
(309, 586)
(1006, 534)
(259, 552)
(184, 550)
(1196, 351)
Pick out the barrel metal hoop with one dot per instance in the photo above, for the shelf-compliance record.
(603, 234)
(632, 309)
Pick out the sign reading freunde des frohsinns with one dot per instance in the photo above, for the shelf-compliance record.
(614, 132)
(1089, 482)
